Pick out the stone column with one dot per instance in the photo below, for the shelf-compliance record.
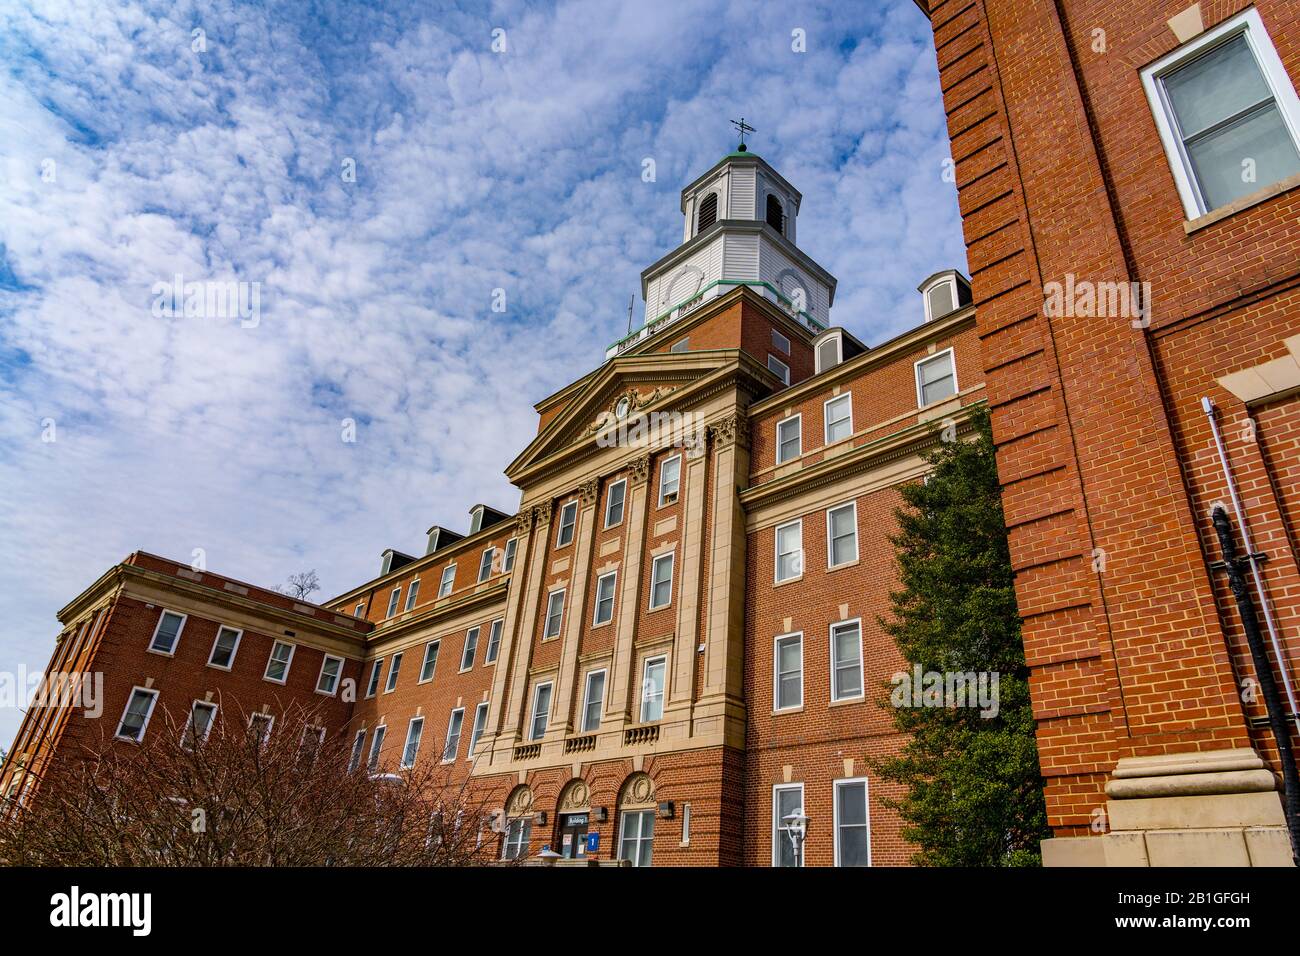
(588, 493)
(513, 711)
(681, 689)
(505, 653)
(617, 701)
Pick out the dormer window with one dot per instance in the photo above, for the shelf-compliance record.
(476, 520)
(775, 214)
(828, 353)
(708, 213)
(944, 292)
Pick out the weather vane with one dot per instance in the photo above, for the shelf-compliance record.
(742, 127)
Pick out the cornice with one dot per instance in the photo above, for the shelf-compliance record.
(436, 613)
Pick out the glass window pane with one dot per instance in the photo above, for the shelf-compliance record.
(940, 300)
(853, 846)
(790, 691)
(852, 807)
(1259, 143)
(1215, 86)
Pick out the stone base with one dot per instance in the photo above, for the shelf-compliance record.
(1219, 808)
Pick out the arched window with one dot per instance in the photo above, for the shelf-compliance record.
(708, 213)
(636, 811)
(775, 214)
(519, 824)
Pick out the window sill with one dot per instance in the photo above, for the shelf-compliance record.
(847, 701)
(847, 564)
(795, 580)
(272, 680)
(597, 627)
(1240, 205)
(218, 667)
(788, 710)
(171, 653)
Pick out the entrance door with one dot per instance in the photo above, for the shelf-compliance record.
(573, 836)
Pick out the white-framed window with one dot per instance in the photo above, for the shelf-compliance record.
(480, 724)
(789, 550)
(839, 418)
(358, 748)
(470, 649)
(376, 747)
(852, 823)
(940, 296)
(661, 581)
(394, 667)
(429, 665)
(224, 648)
(485, 564)
(136, 714)
(604, 610)
(568, 519)
(394, 599)
(842, 535)
(780, 342)
(331, 670)
(830, 352)
(360, 610)
(778, 368)
(277, 665)
(518, 832)
(313, 738)
(554, 614)
(508, 562)
(936, 378)
(541, 711)
(653, 672)
(787, 672)
(494, 641)
(789, 438)
(593, 699)
(167, 633)
(1227, 113)
(614, 499)
(372, 685)
(259, 727)
(686, 824)
(476, 519)
(412, 593)
(786, 799)
(414, 731)
(447, 580)
(455, 724)
(636, 836)
(846, 660)
(670, 480)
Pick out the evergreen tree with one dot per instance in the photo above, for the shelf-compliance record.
(974, 792)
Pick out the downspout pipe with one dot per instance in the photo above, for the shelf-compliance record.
(1264, 672)
(1211, 413)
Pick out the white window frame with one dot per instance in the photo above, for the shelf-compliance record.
(376, 748)
(148, 714)
(777, 707)
(613, 599)
(567, 525)
(476, 731)
(394, 670)
(495, 630)
(338, 678)
(434, 645)
(406, 763)
(239, 636)
(951, 282)
(777, 832)
(485, 564)
(375, 680)
(508, 559)
(176, 641)
(360, 610)
(780, 342)
(587, 700)
(270, 724)
(533, 714)
(776, 549)
(1248, 24)
(782, 371)
(916, 371)
(862, 686)
(797, 418)
(671, 558)
(645, 685)
(546, 622)
(838, 339)
(830, 541)
(358, 751)
(847, 398)
(412, 594)
(677, 482)
(470, 648)
(835, 814)
(517, 837)
(686, 824)
(639, 813)
(447, 581)
(394, 601)
(622, 502)
(288, 664)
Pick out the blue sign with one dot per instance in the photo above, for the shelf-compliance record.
(593, 841)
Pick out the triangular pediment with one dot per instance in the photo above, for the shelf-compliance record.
(632, 385)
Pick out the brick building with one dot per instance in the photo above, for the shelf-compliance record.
(673, 641)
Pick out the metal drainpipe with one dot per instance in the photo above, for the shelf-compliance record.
(1268, 687)
(1211, 413)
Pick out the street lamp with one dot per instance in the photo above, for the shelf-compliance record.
(796, 827)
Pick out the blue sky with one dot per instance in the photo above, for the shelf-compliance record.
(127, 156)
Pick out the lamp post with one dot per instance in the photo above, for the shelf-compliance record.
(796, 827)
